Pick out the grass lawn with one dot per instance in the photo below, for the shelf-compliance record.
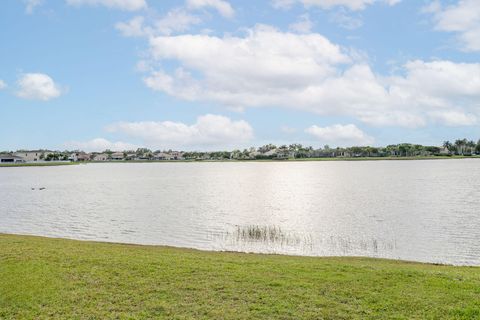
(43, 278)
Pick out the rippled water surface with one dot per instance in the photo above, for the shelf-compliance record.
(415, 210)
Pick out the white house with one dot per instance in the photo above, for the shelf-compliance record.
(9, 158)
(117, 156)
(101, 157)
(32, 156)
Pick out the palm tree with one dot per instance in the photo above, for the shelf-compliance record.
(460, 146)
(471, 146)
(447, 145)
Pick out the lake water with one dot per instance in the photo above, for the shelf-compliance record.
(414, 210)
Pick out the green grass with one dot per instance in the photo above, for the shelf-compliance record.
(38, 164)
(44, 278)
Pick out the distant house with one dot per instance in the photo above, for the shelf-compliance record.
(161, 156)
(174, 155)
(132, 156)
(32, 156)
(100, 157)
(117, 156)
(10, 158)
(251, 155)
(73, 157)
(79, 156)
(285, 154)
(444, 151)
(82, 156)
(270, 153)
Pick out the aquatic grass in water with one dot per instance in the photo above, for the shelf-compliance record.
(271, 238)
(269, 235)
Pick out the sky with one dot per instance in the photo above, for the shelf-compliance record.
(218, 74)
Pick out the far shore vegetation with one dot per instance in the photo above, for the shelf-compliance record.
(461, 148)
(42, 278)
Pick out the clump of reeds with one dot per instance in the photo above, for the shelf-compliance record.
(266, 234)
(260, 233)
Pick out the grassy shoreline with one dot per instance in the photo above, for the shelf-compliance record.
(56, 278)
(37, 164)
(53, 164)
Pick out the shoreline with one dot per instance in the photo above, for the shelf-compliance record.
(54, 164)
(189, 249)
(38, 164)
(51, 277)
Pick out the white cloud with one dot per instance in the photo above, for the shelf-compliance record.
(133, 28)
(223, 7)
(176, 20)
(329, 4)
(3, 85)
(37, 86)
(463, 18)
(127, 5)
(269, 68)
(232, 66)
(31, 4)
(100, 144)
(209, 131)
(345, 20)
(341, 135)
(454, 118)
(303, 25)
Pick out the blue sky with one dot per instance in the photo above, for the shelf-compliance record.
(217, 74)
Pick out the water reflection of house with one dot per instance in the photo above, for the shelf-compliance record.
(10, 158)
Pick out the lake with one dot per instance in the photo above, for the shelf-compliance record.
(425, 210)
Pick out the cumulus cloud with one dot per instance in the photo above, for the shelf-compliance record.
(269, 68)
(37, 86)
(454, 118)
(345, 19)
(208, 131)
(462, 18)
(127, 5)
(303, 25)
(100, 144)
(223, 7)
(329, 4)
(3, 85)
(341, 135)
(176, 20)
(133, 28)
(30, 5)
